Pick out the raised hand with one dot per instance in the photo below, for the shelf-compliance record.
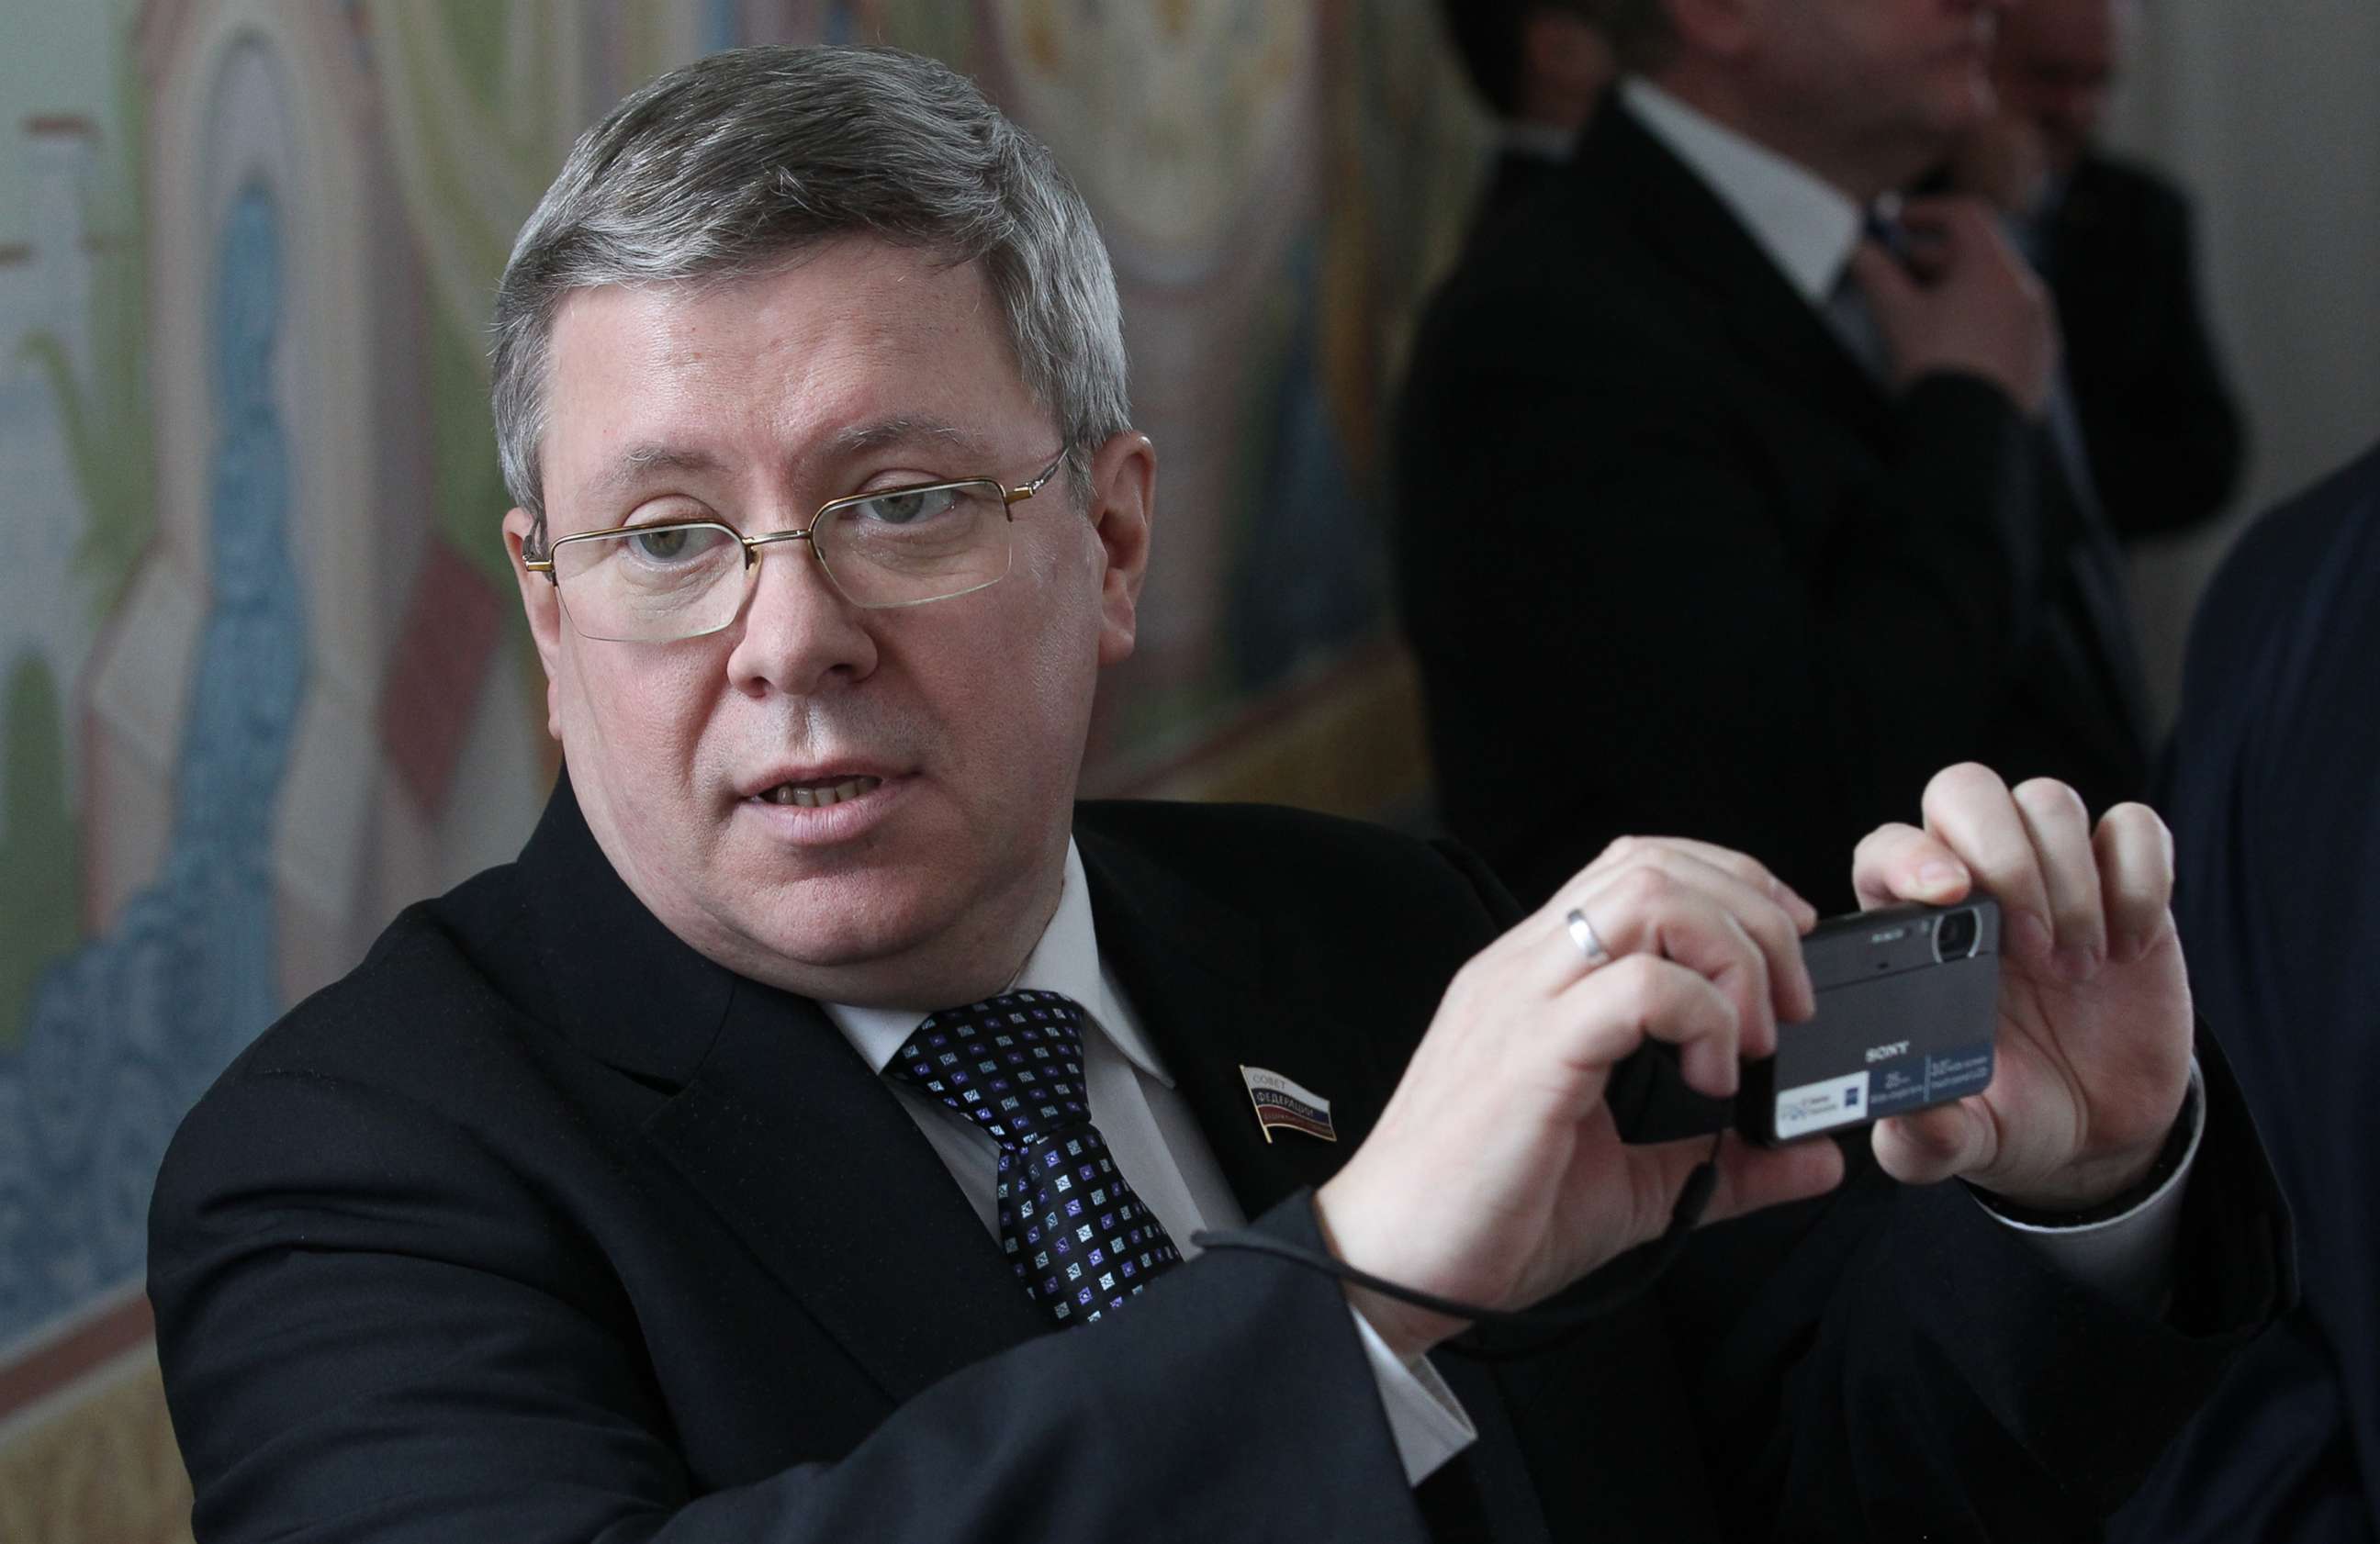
(1496, 1175)
(1971, 307)
(2095, 1016)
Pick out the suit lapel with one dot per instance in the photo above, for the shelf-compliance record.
(806, 1155)
(776, 1124)
(1193, 966)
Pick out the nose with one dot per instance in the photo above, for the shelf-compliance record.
(798, 635)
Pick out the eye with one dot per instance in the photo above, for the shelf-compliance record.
(910, 507)
(676, 544)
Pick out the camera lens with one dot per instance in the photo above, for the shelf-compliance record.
(1956, 934)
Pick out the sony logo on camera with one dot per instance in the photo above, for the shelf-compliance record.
(1886, 1052)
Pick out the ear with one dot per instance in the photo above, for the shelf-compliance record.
(543, 602)
(1122, 502)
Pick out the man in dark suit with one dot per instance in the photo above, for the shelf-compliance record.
(2113, 240)
(650, 1187)
(2270, 779)
(1540, 66)
(1712, 512)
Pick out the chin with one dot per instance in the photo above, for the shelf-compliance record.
(822, 924)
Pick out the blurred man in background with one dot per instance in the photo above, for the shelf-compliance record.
(1712, 507)
(1540, 66)
(2114, 241)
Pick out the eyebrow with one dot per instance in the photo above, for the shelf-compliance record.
(642, 461)
(908, 430)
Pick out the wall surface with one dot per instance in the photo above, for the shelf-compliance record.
(2267, 115)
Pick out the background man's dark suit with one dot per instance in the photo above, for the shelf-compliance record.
(1671, 559)
(2271, 782)
(560, 1233)
(2165, 439)
(1515, 176)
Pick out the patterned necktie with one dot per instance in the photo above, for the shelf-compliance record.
(1081, 1241)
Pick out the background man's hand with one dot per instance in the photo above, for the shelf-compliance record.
(2094, 1039)
(1969, 306)
(1496, 1175)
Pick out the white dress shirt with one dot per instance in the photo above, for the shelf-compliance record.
(1807, 225)
(1156, 1141)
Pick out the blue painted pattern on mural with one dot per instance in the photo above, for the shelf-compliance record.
(128, 1030)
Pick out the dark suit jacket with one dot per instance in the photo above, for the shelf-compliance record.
(1671, 561)
(2165, 439)
(542, 1228)
(1515, 177)
(2271, 780)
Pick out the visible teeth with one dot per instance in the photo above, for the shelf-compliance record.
(810, 796)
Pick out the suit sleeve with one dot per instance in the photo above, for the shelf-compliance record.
(1908, 1369)
(1631, 614)
(375, 1329)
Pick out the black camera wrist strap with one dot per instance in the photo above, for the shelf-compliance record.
(1559, 1323)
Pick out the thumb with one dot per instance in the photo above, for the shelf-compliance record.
(1936, 1144)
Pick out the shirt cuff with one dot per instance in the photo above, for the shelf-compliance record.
(2129, 1257)
(1424, 1417)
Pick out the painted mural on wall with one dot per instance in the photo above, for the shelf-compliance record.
(262, 679)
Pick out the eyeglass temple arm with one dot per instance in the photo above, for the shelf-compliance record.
(536, 538)
(1018, 495)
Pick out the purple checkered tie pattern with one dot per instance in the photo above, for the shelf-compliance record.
(1081, 1241)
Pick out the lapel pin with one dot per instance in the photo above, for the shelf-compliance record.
(1280, 1101)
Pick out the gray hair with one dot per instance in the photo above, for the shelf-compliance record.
(739, 162)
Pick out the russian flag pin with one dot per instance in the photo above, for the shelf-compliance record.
(1280, 1101)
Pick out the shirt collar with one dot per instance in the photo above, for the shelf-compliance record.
(1806, 224)
(1065, 960)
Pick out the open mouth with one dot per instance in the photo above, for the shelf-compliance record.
(812, 792)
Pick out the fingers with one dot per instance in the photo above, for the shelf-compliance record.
(2071, 898)
(1957, 218)
(1896, 864)
(1719, 918)
(1749, 870)
(2135, 857)
(1890, 288)
(1607, 1013)
(1970, 811)
(2059, 828)
(1934, 1145)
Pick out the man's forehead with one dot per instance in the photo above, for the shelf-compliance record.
(849, 351)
